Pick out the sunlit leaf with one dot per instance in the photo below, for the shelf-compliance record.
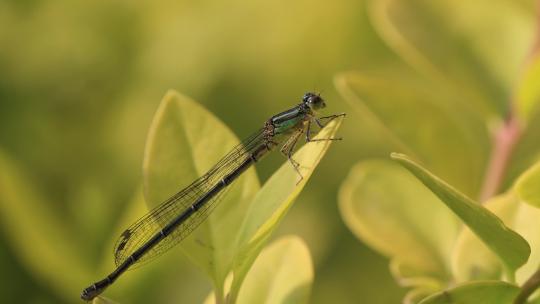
(536, 300)
(416, 295)
(395, 214)
(528, 186)
(103, 300)
(510, 247)
(273, 201)
(422, 284)
(479, 292)
(528, 92)
(410, 276)
(527, 150)
(39, 237)
(525, 153)
(185, 141)
(448, 41)
(473, 260)
(282, 273)
(419, 119)
(527, 223)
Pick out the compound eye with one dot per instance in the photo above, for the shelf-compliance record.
(316, 102)
(306, 97)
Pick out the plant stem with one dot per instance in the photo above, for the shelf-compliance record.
(507, 136)
(532, 284)
(505, 139)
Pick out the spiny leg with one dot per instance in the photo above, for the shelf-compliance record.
(308, 131)
(289, 156)
(321, 124)
(287, 150)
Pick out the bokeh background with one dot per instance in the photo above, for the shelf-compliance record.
(81, 80)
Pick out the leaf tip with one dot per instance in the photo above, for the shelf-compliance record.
(171, 93)
(398, 156)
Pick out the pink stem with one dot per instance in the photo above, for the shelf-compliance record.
(504, 142)
(506, 137)
(528, 288)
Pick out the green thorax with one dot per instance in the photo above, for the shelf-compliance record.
(288, 120)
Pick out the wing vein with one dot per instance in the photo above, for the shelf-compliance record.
(151, 223)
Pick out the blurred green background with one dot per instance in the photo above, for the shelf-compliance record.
(81, 80)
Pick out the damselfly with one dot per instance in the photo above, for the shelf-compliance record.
(170, 222)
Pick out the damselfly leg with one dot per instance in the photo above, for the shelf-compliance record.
(329, 118)
(320, 124)
(288, 148)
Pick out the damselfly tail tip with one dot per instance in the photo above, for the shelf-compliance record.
(89, 293)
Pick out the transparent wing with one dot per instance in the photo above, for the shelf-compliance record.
(150, 224)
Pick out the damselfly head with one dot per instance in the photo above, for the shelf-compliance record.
(313, 101)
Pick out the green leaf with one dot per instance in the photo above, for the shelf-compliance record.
(450, 42)
(185, 141)
(525, 153)
(451, 141)
(416, 295)
(527, 186)
(273, 201)
(527, 223)
(39, 238)
(422, 284)
(528, 91)
(103, 300)
(510, 247)
(480, 292)
(473, 260)
(534, 301)
(386, 207)
(282, 273)
(410, 276)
